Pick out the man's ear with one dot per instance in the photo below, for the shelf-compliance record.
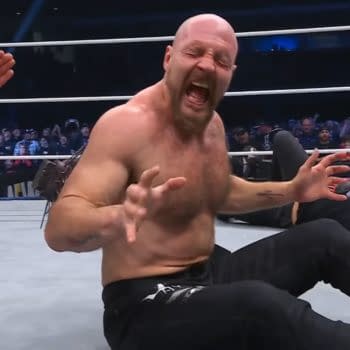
(167, 57)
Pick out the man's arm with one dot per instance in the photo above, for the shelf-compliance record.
(96, 204)
(6, 63)
(88, 212)
(312, 182)
(246, 196)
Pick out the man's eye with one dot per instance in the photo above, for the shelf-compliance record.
(223, 64)
(193, 52)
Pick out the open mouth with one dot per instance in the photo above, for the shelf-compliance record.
(198, 93)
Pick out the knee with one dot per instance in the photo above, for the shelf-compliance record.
(259, 297)
(324, 225)
(282, 137)
(323, 231)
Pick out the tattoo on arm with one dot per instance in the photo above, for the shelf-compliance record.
(270, 194)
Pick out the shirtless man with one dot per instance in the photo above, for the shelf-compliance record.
(6, 64)
(147, 190)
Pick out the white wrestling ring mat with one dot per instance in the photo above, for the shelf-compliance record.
(52, 301)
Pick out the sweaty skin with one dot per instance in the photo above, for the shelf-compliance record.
(155, 172)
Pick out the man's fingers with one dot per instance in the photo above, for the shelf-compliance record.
(336, 197)
(337, 169)
(6, 77)
(7, 62)
(134, 215)
(148, 176)
(130, 232)
(134, 212)
(331, 158)
(136, 194)
(310, 161)
(171, 184)
(132, 225)
(175, 183)
(337, 180)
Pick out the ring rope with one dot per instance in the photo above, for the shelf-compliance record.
(170, 38)
(35, 157)
(243, 153)
(228, 94)
(268, 153)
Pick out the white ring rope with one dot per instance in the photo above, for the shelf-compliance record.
(35, 157)
(170, 38)
(268, 153)
(246, 153)
(65, 99)
(227, 94)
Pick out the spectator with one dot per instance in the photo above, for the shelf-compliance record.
(244, 166)
(4, 151)
(56, 133)
(31, 145)
(34, 135)
(46, 148)
(9, 142)
(50, 138)
(24, 163)
(308, 137)
(16, 135)
(63, 147)
(73, 134)
(334, 129)
(324, 140)
(262, 136)
(345, 142)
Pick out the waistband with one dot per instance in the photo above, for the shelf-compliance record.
(133, 290)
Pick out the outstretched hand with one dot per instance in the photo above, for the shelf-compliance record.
(6, 63)
(142, 199)
(315, 181)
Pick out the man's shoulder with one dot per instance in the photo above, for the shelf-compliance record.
(126, 125)
(129, 114)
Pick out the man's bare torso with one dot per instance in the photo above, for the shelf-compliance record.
(182, 233)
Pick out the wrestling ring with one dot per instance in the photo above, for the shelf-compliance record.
(52, 301)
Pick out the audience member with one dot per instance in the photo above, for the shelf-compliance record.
(308, 137)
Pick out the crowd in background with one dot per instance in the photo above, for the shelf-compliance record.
(58, 140)
(310, 132)
(73, 134)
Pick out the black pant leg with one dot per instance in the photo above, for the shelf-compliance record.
(246, 302)
(339, 211)
(288, 156)
(296, 259)
(246, 315)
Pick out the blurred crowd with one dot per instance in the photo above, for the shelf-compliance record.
(73, 134)
(310, 132)
(57, 140)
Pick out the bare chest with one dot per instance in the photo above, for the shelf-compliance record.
(205, 168)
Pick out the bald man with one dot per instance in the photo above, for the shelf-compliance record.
(6, 63)
(147, 189)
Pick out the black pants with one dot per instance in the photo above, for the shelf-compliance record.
(242, 300)
(288, 156)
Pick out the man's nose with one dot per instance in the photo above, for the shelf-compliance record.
(207, 63)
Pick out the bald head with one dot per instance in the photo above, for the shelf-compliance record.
(217, 25)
